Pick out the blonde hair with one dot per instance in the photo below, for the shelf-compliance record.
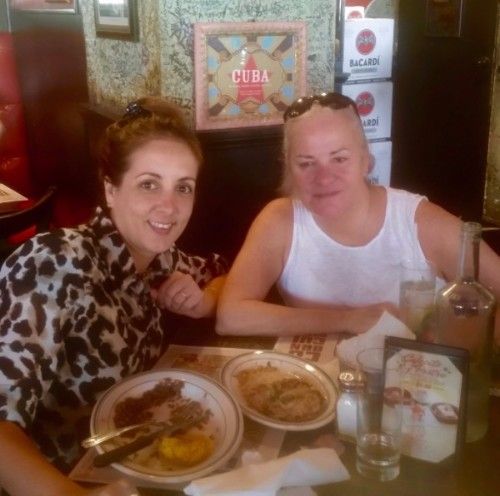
(286, 186)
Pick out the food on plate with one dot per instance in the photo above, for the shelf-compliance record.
(280, 395)
(170, 453)
(445, 412)
(185, 450)
(134, 410)
(165, 401)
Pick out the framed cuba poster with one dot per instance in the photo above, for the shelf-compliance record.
(246, 74)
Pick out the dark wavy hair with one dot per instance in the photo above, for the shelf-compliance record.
(146, 119)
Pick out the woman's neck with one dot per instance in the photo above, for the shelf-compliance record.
(361, 222)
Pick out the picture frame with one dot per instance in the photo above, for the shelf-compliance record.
(117, 19)
(443, 18)
(48, 6)
(433, 380)
(246, 74)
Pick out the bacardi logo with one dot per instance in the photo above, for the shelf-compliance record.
(366, 41)
(365, 103)
(354, 14)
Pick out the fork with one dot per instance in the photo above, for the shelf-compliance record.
(178, 416)
(121, 452)
(100, 438)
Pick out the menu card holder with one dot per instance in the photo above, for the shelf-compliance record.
(434, 384)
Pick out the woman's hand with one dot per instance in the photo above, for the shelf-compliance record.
(179, 294)
(364, 318)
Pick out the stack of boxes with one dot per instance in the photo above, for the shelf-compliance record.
(366, 58)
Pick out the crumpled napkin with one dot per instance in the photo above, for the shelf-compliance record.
(387, 325)
(305, 467)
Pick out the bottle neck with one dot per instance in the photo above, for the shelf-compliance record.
(468, 262)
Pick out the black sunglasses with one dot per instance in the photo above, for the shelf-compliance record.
(133, 111)
(335, 101)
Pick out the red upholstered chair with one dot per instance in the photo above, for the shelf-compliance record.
(33, 216)
(14, 168)
(14, 164)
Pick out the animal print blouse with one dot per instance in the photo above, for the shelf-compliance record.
(75, 317)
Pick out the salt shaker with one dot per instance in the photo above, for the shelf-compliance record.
(350, 384)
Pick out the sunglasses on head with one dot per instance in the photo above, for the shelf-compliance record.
(335, 101)
(133, 111)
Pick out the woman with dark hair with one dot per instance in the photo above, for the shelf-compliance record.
(82, 308)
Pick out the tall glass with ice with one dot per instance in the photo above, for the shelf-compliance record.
(379, 415)
(417, 290)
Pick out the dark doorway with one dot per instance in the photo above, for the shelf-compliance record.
(442, 98)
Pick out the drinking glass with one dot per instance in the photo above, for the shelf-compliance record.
(416, 294)
(378, 443)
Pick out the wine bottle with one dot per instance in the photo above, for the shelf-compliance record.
(465, 318)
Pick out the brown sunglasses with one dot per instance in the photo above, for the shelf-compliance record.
(333, 100)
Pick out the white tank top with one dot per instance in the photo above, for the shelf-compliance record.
(321, 271)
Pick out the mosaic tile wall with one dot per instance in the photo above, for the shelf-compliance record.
(118, 70)
(161, 61)
(492, 193)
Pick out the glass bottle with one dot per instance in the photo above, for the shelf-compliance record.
(465, 318)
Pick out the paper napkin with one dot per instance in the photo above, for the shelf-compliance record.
(388, 325)
(305, 467)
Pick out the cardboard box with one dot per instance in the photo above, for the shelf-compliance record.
(374, 101)
(368, 46)
(356, 12)
(381, 152)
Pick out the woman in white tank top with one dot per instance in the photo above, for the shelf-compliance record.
(334, 245)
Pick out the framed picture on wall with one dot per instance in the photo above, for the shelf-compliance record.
(64, 6)
(246, 74)
(116, 19)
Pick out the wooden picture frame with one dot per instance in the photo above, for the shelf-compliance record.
(433, 379)
(246, 74)
(116, 19)
(48, 6)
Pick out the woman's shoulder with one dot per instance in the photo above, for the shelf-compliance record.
(403, 195)
(277, 212)
(273, 226)
(59, 247)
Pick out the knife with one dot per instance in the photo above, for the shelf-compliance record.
(117, 454)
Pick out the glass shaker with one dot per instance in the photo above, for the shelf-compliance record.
(350, 385)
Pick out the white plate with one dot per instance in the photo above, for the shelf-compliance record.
(289, 365)
(225, 424)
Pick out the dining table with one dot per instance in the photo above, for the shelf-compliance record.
(475, 473)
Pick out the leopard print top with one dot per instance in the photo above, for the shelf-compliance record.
(75, 318)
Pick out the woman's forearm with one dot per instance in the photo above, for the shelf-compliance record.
(24, 470)
(253, 317)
